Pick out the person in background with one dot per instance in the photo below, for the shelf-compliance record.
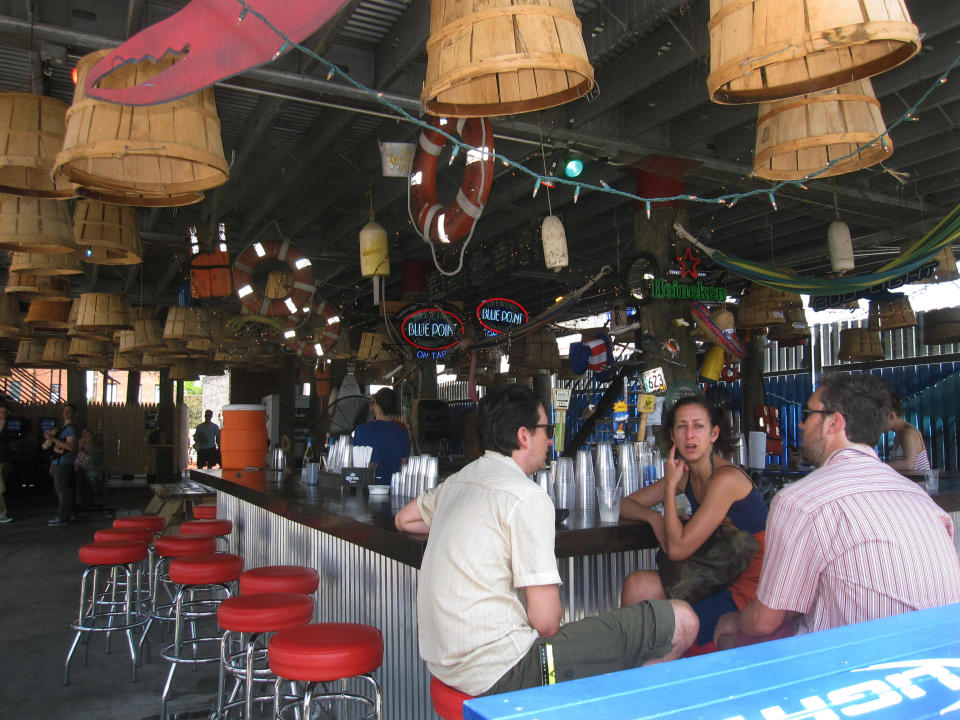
(854, 540)
(206, 440)
(6, 462)
(388, 437)
(64, 445)
(488, 599)
(718, 491)
(909, 452)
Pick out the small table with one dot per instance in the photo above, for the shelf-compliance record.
(169, 499)
(905, 666)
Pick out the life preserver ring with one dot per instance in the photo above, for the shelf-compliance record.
(301, 291)
(445, 224)
(729, 373)
(329, 327)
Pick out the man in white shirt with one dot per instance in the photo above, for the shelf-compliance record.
(488, 601)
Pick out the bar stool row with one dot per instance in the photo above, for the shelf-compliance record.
(263, 636)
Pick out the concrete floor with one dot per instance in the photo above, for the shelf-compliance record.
(39, 592)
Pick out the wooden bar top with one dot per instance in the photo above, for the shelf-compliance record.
(368, 522)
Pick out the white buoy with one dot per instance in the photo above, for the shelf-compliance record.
(554, 239)
(374, 257)
(840, 246)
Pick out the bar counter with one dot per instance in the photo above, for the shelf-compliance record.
(369, 570)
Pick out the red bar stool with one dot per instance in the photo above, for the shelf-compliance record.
(322, 653)
(150, 522)
(100, 608)
(280, 578)
(219, 529)
(248, 622)
(203, 582)
(205, 511)
(132, 534)
(447, 701)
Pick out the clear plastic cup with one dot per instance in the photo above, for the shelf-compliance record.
(608, 503)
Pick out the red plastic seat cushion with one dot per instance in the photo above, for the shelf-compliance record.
(447, 701)
(151, 522)
(180, 545)
(324, 652)
(141, 535)
(207, 511)
(112, 552)
(208, 528)
(280, 578)
(266, 612)
(207, 569)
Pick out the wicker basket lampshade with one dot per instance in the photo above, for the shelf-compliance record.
(48, 315)
(186, 323)
(892, 314)
(941, 327)
(90, 347)
(28, 285)
(100, 312)
(31, 134)
(30, 353)
(37, 264)
(55, 352)
(107, 234)
(35, 225)
(11, 323)
(946, 270)
(161, 155)
(770, 49)
(860, 345)
(794, 331)
(147, 336)
(760, 307)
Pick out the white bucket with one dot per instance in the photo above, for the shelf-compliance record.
(396, 158)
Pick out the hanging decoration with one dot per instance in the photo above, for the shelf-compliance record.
(554, 239)
(498, 315)
(374, 250)
(31, 134)
(718, 327)
(256, 261)
(313, 336)
(210, 274)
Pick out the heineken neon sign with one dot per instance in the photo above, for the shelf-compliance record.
(674, 290)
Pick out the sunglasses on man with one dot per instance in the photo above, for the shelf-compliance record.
(548, 429)
(806, 412)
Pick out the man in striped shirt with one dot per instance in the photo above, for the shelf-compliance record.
(854, 540)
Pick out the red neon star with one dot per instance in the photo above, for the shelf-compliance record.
(690, 269)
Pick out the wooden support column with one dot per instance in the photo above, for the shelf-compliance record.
(751, 384)
(164, 453)
(133, 387)
(77, 394)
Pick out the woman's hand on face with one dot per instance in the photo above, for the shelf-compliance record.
(673, 469)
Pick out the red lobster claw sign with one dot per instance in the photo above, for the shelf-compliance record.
(219, 38)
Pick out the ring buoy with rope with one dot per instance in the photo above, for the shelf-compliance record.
(448, 223)
(256, 301)
(328, 328)
(729, 373)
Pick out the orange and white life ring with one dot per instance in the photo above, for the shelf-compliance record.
(455, 221)
(327, 323)
(730, 372)
(255, 300)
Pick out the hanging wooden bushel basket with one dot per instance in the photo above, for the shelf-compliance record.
(892, 314)
(860, 345)
(127, 361)
(184, 370)
(31, 135)
(503, 57)
(946, 270)
(102, 311)
(29, 285)
(48, 315)
(162, 155)
(173, 349)
(30, 353)
(760, 307)
(94, 363)
(147, 336)
(155, 362)
(90, 347)
(803, 135)
(773, 49)
(22, 262)
(794, 331)
(55, 351)
(941, 327)
(107, 234)
(186, 323)
(35, 225)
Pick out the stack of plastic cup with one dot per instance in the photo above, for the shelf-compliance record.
(544, 479)
(586, 498)
(630, 478)
(605, 472)
(564, 484)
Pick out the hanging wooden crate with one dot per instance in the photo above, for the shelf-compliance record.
(90, 347)
(30, 353)
(860, 345)
(503, 57)
(803, 135)
(39, 264)
(48, 315)
(55, 352)
(186, 323)
(163, 154)
(28, 285)
(31, 134)
(941, 327)
(764, 50)
(102, 311)
(35, 225)
(892, 314)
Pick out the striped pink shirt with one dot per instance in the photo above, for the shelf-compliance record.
(854, 541)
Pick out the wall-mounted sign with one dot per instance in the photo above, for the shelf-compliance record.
(431, 329)
(653, 380)
(673, 290)
(498, 315)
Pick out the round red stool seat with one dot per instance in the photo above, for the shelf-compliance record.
(207, 569)
(140, 535)
(280, 578)
(447, 701)
(207, 528)
(112, 552)
(266, 612)
(150, 522)
(206, 511)
(180, 545)
(324, 652)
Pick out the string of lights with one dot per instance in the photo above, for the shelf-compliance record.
(727, 199)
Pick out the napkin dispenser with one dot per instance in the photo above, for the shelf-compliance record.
(357, 477)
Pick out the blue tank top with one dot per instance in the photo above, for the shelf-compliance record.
(749, 514)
